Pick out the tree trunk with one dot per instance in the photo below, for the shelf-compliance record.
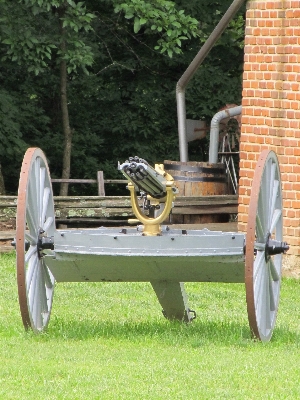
(2, 186)
(67, 132)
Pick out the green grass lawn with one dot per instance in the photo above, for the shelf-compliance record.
(110, 341)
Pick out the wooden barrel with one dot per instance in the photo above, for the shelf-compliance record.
(198, 179)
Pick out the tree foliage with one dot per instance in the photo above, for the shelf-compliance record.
(32, 38)
(121, 79)
(162, 17)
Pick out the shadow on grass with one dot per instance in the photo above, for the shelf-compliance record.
(169, 333)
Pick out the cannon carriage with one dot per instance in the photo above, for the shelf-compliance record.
(153, 251)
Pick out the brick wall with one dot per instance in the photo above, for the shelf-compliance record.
(271, 105)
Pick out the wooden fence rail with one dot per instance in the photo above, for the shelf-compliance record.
(100, 181)
(107, 210)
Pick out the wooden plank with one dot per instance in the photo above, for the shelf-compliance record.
(6, 201)
(121, 212)
(227, 209)
(215, 226)
(180, 203)
(7, 213)
(115, 181)
(74, 180)
(6, 248)
(97, 202)
(206, 200)
(103, 212)
(122, 201)
(7, 235)
(120, 206)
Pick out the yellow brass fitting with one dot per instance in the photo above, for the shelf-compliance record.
(151, 225)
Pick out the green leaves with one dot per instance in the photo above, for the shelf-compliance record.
(162, 17)
(126, 105)
(31, 35)
(76, 17)
(29, 50)
(137, 25)
(79, 55)
(10, 129)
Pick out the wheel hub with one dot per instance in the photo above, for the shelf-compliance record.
(44, 242)
(274, 247)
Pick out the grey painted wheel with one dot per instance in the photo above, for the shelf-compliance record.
(263, 267)
(35, 227)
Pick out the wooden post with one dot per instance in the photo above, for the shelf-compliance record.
(100, 180)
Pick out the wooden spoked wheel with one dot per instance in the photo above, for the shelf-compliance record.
(264, 247)
(34, 238)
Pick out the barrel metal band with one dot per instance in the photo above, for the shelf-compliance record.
(190, 168)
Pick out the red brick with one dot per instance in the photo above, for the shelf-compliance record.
(271, 98)
(296, 205)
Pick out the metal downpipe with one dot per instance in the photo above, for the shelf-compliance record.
(190, 71)
(215, 129)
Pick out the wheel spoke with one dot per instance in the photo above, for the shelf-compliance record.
(273, 271)
(31, 270)
(31, 221)
(259, 261)
(31, 288)
(259, 229)
(32, 250)
(34, 188)
(271, 292)
(258, 287)
(265, 193)
(264, 294)
(261, 213)
(259, 246)
(41, 193)
(46, 197)
(37, 172)
(32, 240)
(37, 314)
(32, 205)
(47, 224)
(259, 292)
(271, 187)
(266, 303)
(47, 277)
(43, 295)
(276, 217)
(263, 303)
(273, 201)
